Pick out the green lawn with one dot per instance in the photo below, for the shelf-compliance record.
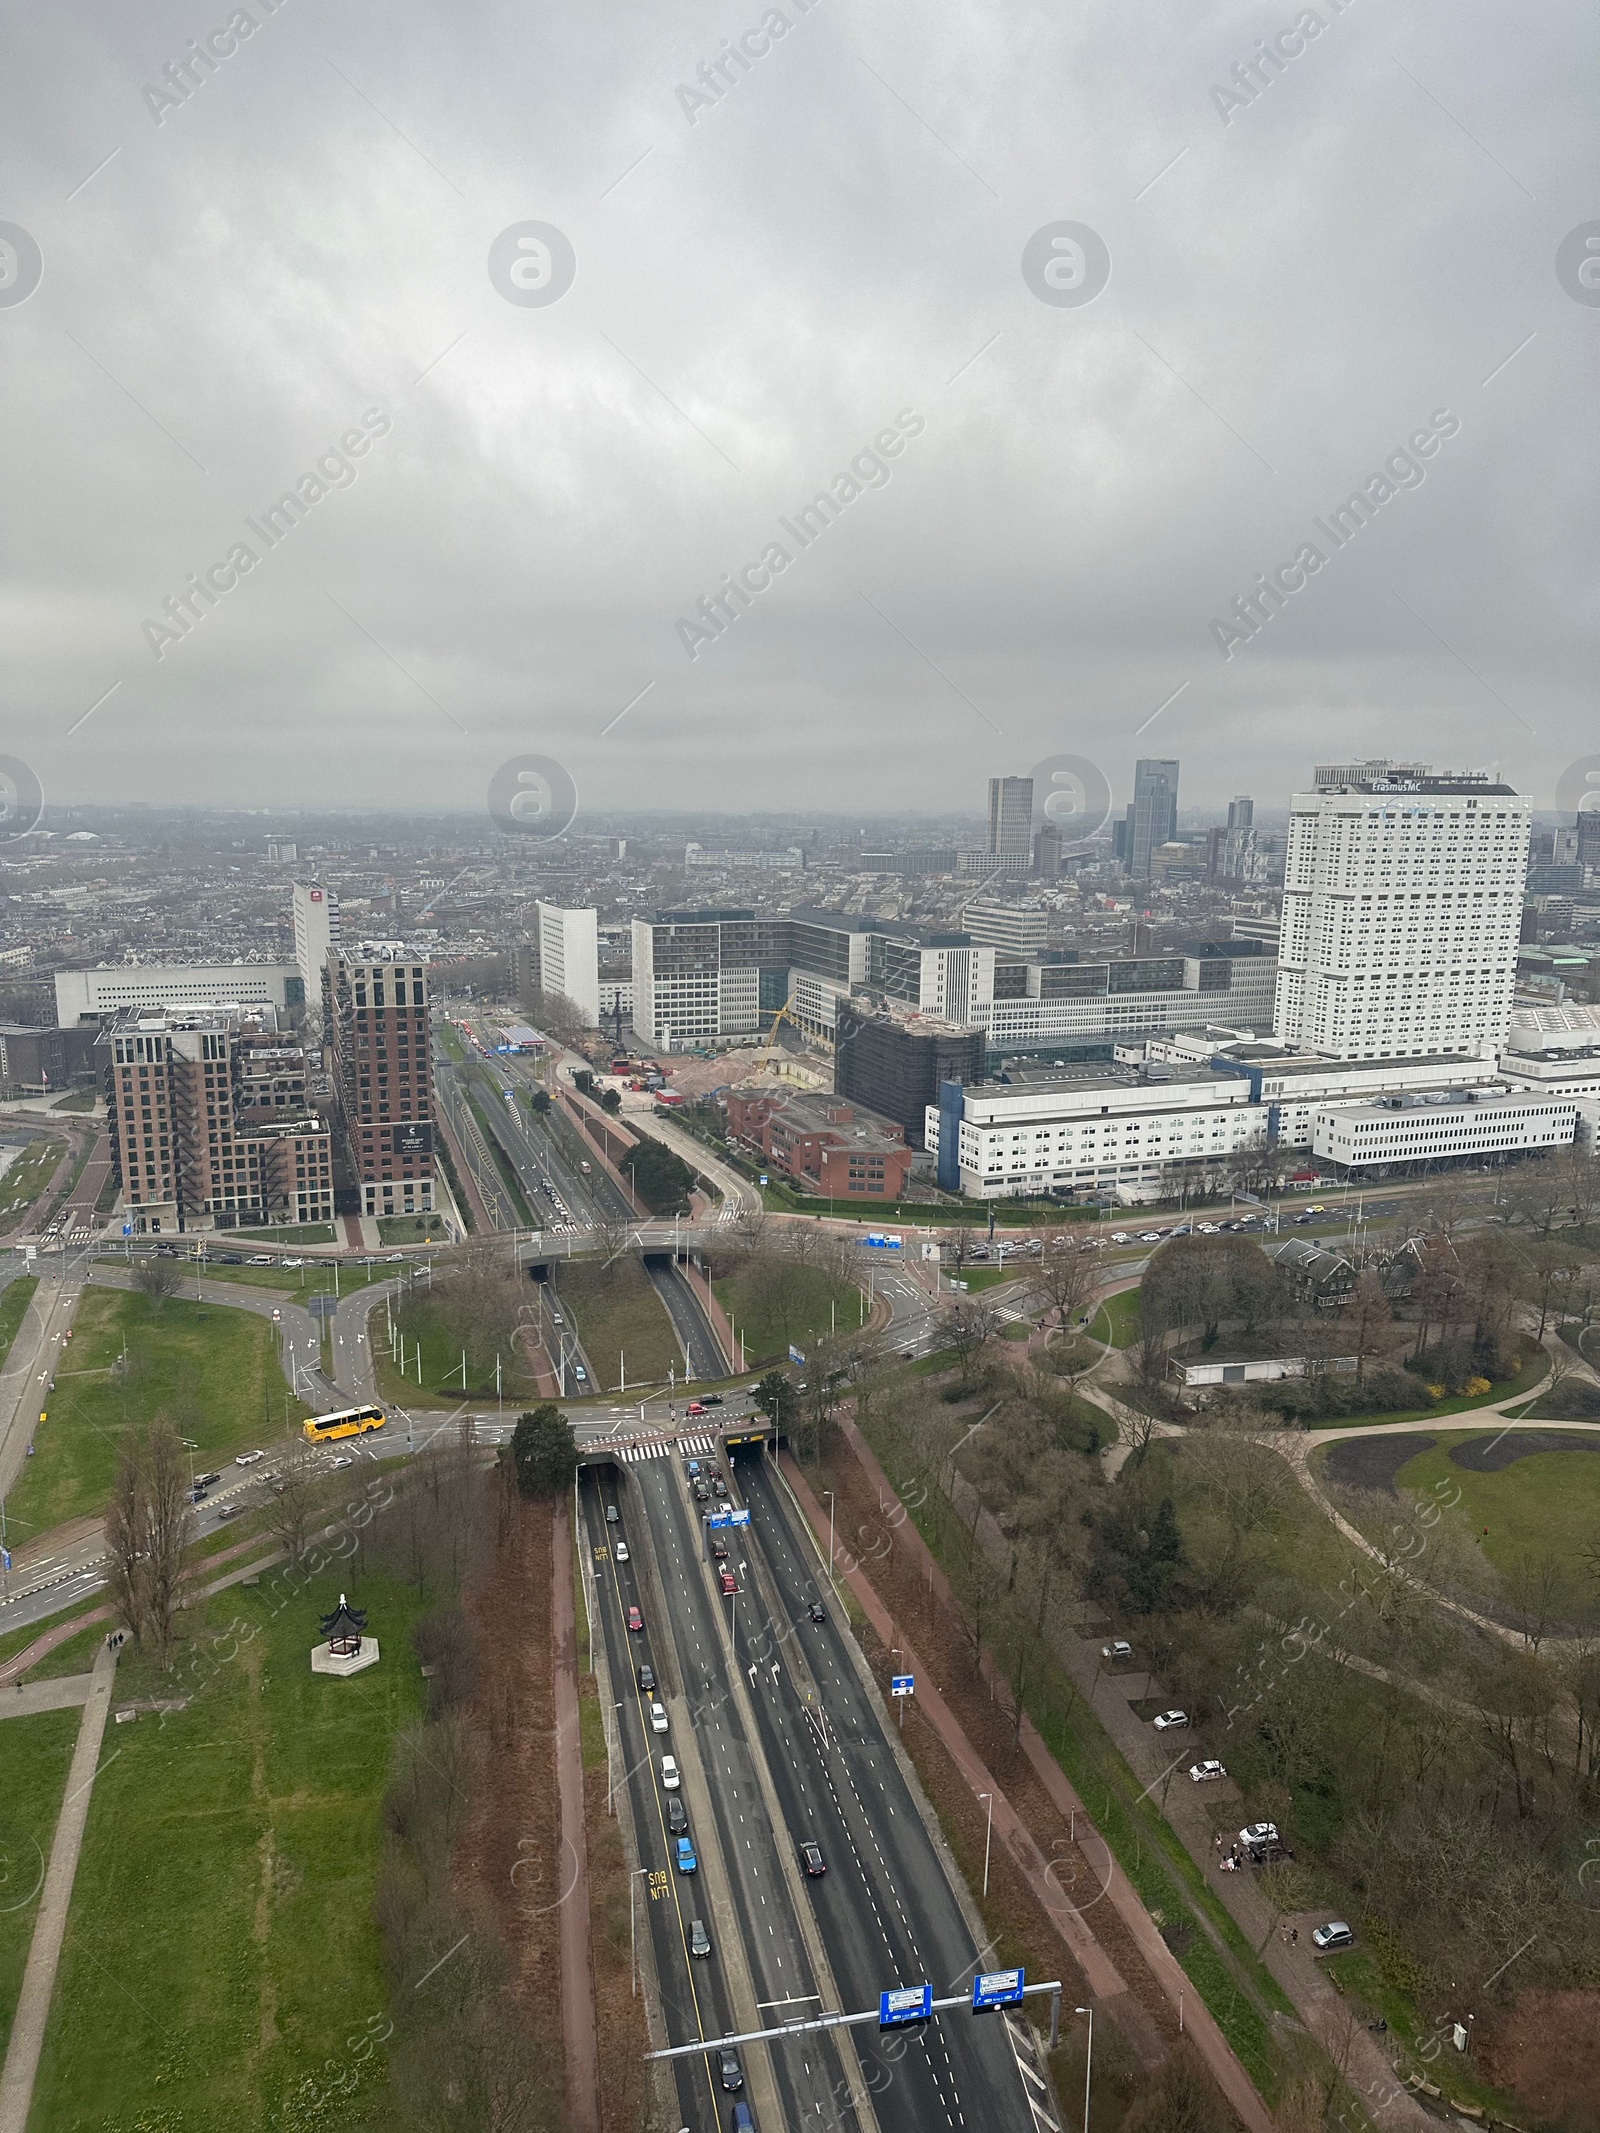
(1532, 1373)
(35, 1754)
(440, 1383)
(221, 1948)
(78, 1100)
(410, 1229)
(214, 1369)
(1117, 1319)
(293, 1233)
(1547, 1504)
(772, 1316)
(27, 1177)
(618, 1316)
(14, 1302)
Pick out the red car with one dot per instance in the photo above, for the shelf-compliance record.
(635, 1619)
(729, 1584)
(695, 1408)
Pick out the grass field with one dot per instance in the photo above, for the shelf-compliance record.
(410, 1229)
(221, 1948)
(216, 1371)
(294, 1233)
(35, 1754)
(27, 1177)
(14, 1302)
(770, 1320)
(78, 1100)
(1117, 1319)
(1547, 1503)
(440, 1383)
(618, 1315)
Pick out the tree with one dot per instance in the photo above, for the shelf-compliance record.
(959, 1246)
(291, 1499)
(660, 1176)
(156, 1280)
(539, 1102)
(149, 1525)
(967, 1328)
(1063, 1279)
(1368, 1321)
(544, 1452)
(777, 1399)
(611, 1101)
(1181, 2098)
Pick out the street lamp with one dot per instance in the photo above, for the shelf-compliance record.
(832, 1580)
(988, 1832)
(633, 1945)
(1088, 2065)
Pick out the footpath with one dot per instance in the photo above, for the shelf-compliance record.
(578, 2036)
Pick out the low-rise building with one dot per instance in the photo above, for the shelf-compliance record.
(1402, 1130)
(823, 1144)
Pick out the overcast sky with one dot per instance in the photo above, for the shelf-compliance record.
(771, 271)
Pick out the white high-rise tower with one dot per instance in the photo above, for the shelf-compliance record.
(1402, 910)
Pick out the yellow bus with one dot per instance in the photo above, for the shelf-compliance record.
(343, 1422)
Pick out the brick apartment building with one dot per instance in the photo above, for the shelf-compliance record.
(375, 1020)
(205, 1135)
(824, 1145)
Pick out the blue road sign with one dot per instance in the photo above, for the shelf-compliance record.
(996, 1988)
(5, 1557)
(763, 1177)
(127, 1229)
(907, 2003)
(879, 1242)
(795, 1355)
(739, 1518)
(720, 1518)
(903, 1685)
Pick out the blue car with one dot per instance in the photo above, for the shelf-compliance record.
(687, 1862)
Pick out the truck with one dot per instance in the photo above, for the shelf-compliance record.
(586, 1168)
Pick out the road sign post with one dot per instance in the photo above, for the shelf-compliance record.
(906, 2003)
(997, 1988)
(902, 1686)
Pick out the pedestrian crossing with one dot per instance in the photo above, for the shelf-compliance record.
(696, 1447)
(660, 1447)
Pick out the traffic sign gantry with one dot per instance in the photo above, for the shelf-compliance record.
(719, 1518)
(907, 2003)
(997, 1988)
(740, 1517)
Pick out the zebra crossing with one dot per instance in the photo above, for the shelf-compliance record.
(696, 1447)
(660, 1447)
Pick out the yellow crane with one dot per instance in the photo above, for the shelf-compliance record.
(771, 1044)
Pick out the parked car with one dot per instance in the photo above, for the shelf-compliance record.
(1335, 1934)
(1117, 1651)
(699, 1939)
(729, 2072)
(812, 1860)
(635, 1619)
(1205, 1773)
(670, 1776)
(687, 1862)
(658, 1718)
(647, 1677)
(1170, 1721)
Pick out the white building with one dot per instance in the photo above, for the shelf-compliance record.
(569, 957)
(1466, 1122)
(105, 991)
(1402, 908)
(1093, 1004)
(1016, 929)
(1555, 1050)
(316, 930)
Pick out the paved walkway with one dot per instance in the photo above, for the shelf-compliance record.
(49, 1927)
(64, 1693)
(577, 1982)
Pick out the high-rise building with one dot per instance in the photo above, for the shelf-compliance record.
(1152, 817)
(210, 1126)
(1402, 911)
(1011, 816)
(895, 1064)
(569, 957)
(316, 930)
(1020, 929)
(375, 1020)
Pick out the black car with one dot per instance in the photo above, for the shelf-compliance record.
(613, 1515)
(701, 1493)
(718, 1486)
(647, 1677)
(711, 1399)
(229, 1258)
(677, 1815)
(811, 1859)
(197, 1494)
(719, 1549)
(729, 2072)
(817, 1611)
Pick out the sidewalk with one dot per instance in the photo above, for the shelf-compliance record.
(577, 1984)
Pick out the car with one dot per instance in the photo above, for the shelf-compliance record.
(621, 1552)
(1207, 1229)
(635, 1619)
(677, 1816)
(712, 1399)
(1335, 1934)
(697, 1407)
(1120, 1236)
(719, 1548)
(1257, 1836)
(249, 1458)
(291, 1262)
(817, 1611)
(198, 1493)
(1170, 1721)
(699, 1939)
(556, 1319)
(209, 1481)
(691, 1467)
(647, 1677)
(741, 2119)
(1204, 1773)
(229, 1258)
(671, 1776)
(613, 1515)
(1150, 1236)
(658, 1718)
(259, 1259)
(687, 1862)
(228, 1510)
(342, 1462)
(812, 1860)
(729, 2072)
(580, 1373)
(719, 1487)
(1116, 1651)
(730, 1585)
(702, 1493)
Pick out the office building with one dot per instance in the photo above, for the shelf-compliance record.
(895, 1064)
(1018, 929)
(1056, 1006)
(1402, 911)
(1436, 1128)
(375, 1019)
(209, 1125)
(1152, 815)
(818, 1141)
(316, 930)
(34, 1061)
(569, 957)
(84, 994)
(1011, 817)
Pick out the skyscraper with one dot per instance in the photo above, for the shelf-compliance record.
(1011, 815)
(1402, 910)
(569, 957)
(316, 930)
(375, 1015)
(1152, 817)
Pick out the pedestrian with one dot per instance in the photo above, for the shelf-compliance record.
(1294, 1936)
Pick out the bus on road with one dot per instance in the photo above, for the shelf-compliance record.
(342, 1422)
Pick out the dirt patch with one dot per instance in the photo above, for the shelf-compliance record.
(625, 2103)
(1373, 1462)
(1492, 1455)
(1546, 2053)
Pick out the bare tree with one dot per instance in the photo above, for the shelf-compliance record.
(967, 1328)
(1063, 1279)
(1368, 1321)
(291, 1497)
(156, 1280)
(149, 1525)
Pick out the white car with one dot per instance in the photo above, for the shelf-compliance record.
(1205, 1773)
(621, 1551)
(658, 1718)
(1117, 1652)
(1150, 1236)
(1207, 1229)
(1259, 1834)
(1120, 1236)
(670, 1780)
(249, 1458)
(1170, 1721)
(342, 1462)
(1335, 1934)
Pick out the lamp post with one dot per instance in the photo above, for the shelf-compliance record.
(1088, 2066)
(633, 1944)
(832, 1580)
(988, 1832)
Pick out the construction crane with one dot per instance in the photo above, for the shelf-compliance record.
(778, 1019)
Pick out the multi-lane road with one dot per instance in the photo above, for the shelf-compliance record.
(780, 1742)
